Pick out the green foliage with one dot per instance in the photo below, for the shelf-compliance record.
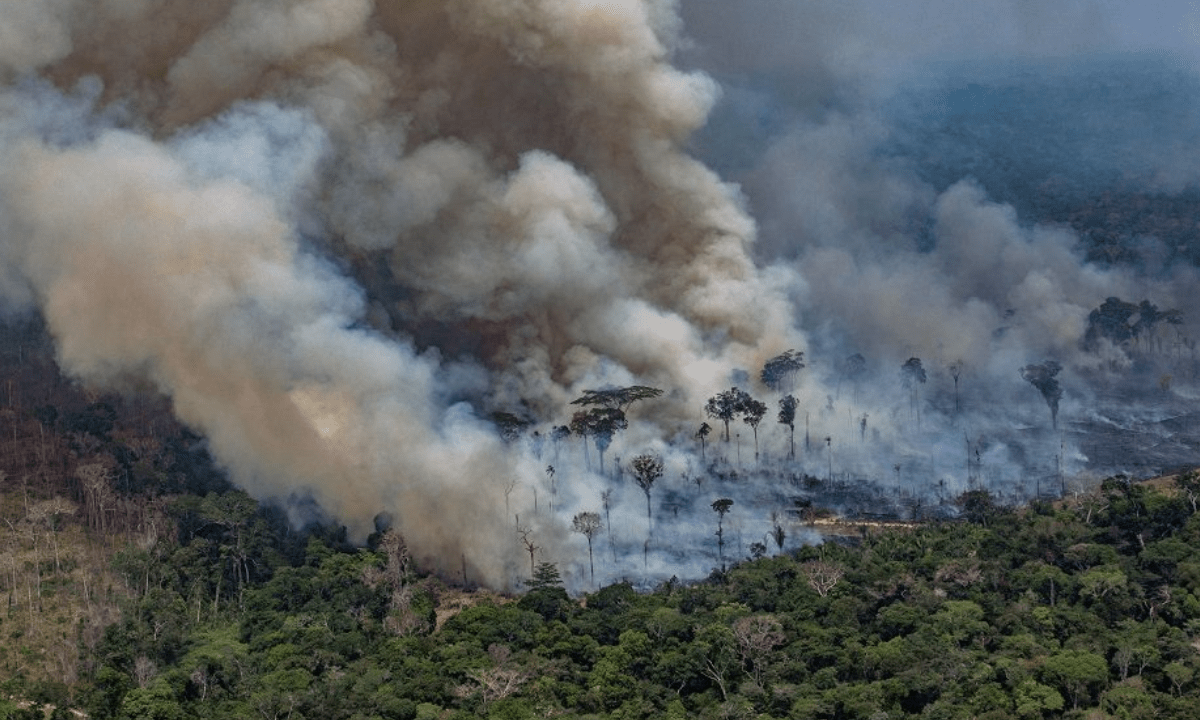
(546, 595)
(1051, 612)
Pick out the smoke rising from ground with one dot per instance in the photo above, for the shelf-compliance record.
(339, 234)
(317, 225)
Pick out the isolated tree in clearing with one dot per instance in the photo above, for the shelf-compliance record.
(912, 373)
(588, 524)
(727, 405)
(787, 416)
(721, 507)
(753, 412)
(1043, 376)
(646, 469)
(617, 398)
(702, 435)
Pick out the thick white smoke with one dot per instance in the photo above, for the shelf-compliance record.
(306, 222)
(857, 130)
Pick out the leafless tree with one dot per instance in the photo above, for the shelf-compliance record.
(956, 369)
(497, 682)
(757, 636)
(526, 535)
(509, 484)
(606, 498)
(144, 671)
(822, 576)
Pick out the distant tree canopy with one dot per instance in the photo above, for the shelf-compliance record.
(1084, 608)
(616, 398)
(779, 373)
(509, 426)
(1120, 322)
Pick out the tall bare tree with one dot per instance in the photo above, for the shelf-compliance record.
(912, 374)
(702, 435)
(526, 535)
(606, 499)
(956, 369)
(753, 412)
(646, 469)
(787, 416)
(588, 524)
(721, 507)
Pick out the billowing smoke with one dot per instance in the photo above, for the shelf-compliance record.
(337, 233)
(340, 235)
(968, 185)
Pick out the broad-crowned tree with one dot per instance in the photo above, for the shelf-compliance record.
(727, 405)
(779, 373)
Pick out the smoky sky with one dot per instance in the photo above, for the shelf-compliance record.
(339, 235)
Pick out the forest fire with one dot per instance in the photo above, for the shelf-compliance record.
(395, 259)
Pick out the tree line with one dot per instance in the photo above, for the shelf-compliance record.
(1083, 609)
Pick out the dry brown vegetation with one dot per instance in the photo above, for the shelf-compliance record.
(63, 511)
(56, 586)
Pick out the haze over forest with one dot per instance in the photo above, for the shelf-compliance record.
(368, 250)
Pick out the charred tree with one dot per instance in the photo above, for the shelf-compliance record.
(787, 416)
(1043, 376)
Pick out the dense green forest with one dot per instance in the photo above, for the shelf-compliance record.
(1085, 608)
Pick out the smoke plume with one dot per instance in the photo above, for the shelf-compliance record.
(336, 233)
(340, 234)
